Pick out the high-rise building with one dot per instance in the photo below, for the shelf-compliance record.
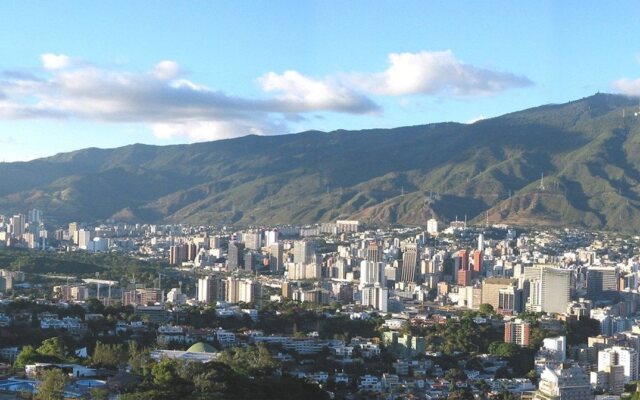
(491, 290)
(84, 239)
(35, 216)
(210, 289)
(481, 242)
(252, 240)
(602, 283)
(517, 332)
(464, 277)
(374, 252)
(303, 252)
(17, 226)
(375, 296)
(192, 251)
(477, 262)
(271, 237)
(550, 290)
(371, 273)
(235, 256)
(177, 254)
(625, 356)
(464, 259)
(242, 290)
(73, 228)
(250, 261)
(276, 263)
(409, 262)
(565, 383)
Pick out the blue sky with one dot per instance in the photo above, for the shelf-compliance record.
(84, 73)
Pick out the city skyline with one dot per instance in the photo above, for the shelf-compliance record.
(90, 75)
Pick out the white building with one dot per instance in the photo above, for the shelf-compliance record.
(624, 356)
(376, 297)
(432, 226)
(564, 384)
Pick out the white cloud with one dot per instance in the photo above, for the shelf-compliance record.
(630, 87)
(197, 131)
(166, 70)
(55, 61)
(164, 99)
(476, 119)
(435, 73)
(301, 94)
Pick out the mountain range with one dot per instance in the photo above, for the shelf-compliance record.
(572, 164)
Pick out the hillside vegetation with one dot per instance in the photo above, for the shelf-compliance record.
(586, 149)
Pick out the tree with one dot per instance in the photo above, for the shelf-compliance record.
(28, 355)
(53, 347)
(486, 309)
(502, 349)
(99, 394)
(253, 361)
(139, 358)
(52, 383)
(164, 372)
(109, 355)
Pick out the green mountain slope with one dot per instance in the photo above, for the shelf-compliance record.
(586, 149)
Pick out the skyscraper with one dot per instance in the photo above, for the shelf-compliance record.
(210, 289)
(374, 252)
(376, 297)
(371, 273)
(464, 259)
(549, 289)
(235, 256)
(602, 283)
(276, 264)
(477, 262)
(303, 252)
(409, 262)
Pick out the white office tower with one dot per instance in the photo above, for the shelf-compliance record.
(432, 226)
(481, 242)
(17, 226)
(371, 273)
(376, 297)
(271, 237)
(84, 239)
(569, 383)
(550, 289)
(624, 356)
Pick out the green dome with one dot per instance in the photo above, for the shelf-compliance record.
(201, 347)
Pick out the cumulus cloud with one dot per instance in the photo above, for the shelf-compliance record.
(172, 105)
(436, 73)
(303, 94)
(55, 61)
(630, 87)
(162, 98)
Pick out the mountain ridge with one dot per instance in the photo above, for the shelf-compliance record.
(585, 148)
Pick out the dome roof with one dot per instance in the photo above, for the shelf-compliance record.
(202, 347)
